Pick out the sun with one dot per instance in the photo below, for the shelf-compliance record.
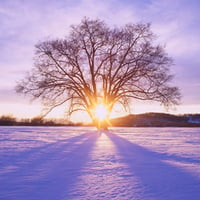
(100, 112)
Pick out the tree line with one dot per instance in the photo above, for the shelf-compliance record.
(9, 120)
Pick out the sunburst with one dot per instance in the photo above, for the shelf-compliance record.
(100, 112)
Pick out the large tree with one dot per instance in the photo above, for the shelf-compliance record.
(96, 66)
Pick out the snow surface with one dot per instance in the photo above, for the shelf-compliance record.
(55, 163)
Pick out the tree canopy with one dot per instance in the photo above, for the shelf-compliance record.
(100, 65)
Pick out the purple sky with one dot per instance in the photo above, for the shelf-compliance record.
(24, 22)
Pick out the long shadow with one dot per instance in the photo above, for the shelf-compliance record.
(159, 179)
(47, 172)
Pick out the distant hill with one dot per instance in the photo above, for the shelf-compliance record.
(157, 120)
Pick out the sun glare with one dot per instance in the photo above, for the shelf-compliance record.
(100, 112)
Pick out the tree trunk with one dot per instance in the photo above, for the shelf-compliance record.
(101, 125)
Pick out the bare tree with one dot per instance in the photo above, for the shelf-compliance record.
(98, 65)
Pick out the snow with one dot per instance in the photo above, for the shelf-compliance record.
(80, 163)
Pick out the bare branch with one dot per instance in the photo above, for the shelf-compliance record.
(98, 64)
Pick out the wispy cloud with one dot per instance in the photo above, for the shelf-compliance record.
(24, 23)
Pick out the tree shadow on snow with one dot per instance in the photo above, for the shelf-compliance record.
(47, 172)
(159, 180)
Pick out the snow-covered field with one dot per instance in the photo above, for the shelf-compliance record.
(55, 163)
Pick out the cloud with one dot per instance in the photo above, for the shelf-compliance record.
(176, 23)
(24, 23)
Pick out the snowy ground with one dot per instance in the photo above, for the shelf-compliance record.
(56, 163)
